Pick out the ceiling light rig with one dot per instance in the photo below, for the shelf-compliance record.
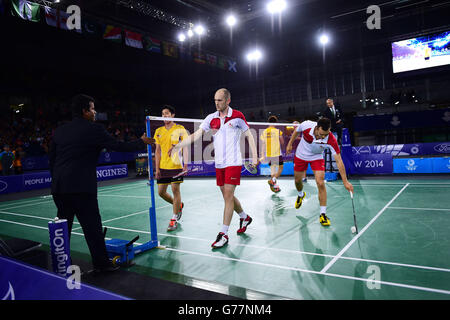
(156, 13)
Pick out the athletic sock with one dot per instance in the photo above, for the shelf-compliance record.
(323, 209)
(301, 193)
(243, 215)
(174, 217)
(225, 229)
(274, 180)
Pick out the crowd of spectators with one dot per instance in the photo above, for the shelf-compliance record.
(25, 136)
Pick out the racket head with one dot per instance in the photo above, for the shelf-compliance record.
(250, 167)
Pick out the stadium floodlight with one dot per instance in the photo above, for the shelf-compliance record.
(324, 39)
(254, 55)
(276, 6)
(181, 37)
(190, 33)
(231, 20)
(200, 30)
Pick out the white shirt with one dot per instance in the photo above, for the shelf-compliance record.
(310, 148)
(227, 136)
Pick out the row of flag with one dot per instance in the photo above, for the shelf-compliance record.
(91, 27)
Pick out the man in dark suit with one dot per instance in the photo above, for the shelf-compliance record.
(73, 156)
(335, 115)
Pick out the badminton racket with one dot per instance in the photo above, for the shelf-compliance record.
(354, 214)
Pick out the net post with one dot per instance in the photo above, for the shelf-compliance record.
(152, 211)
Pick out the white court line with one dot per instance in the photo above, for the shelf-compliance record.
(276, 266)
(118, 196)
(122, 188)
(22, 201)
(328, 266)
(392, 185)
(314, 272)
(28, 216)
(33, 226)
(101, 192)
(121, 217)
(427, 209)
(292, 251)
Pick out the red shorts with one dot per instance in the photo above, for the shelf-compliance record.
(302, 165)
(229, 175)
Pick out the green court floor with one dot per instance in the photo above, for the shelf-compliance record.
(402, 250)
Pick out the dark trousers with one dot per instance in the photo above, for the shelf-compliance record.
(85, 207)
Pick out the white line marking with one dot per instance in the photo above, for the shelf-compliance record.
(101, 192)
(274, 266)
(29, 216)
(29, 204)
(118, 196)
(428, 209)
(33, 226)
(313, 272)
(22, 201)
(292, 251)
(328, 266)
(122, 188)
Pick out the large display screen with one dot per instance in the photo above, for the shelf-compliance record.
(420, 53)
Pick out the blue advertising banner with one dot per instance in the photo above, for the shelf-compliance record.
(422, 165)
(413, 165)
(346, 142)
(112, 172)
(10, 184)
(201, 169)
(59, 246)
(19, 281)
(40, 180)
(208, 169)
(441, 165)
(419, 119)
(368, 163)
(41, 163)
(288, 169)
(414, 149)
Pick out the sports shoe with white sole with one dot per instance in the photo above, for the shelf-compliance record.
(299, 201)
(324, 220)
(221, 240)
(173, 224)
(243, 223)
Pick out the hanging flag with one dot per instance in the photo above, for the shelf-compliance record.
(211, 59)
(113, 34)
(51, 17)
(222, 63)
(91, 27)
(170, 49)
(25, 10)
(199, 57)
(232, 65)
(151, 44)
(57, 18)
(133, 39)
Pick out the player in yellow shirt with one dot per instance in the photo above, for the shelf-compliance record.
(271, 142)
(170, 169)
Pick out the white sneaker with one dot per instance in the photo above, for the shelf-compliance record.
(221, 240)
(243, 223)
